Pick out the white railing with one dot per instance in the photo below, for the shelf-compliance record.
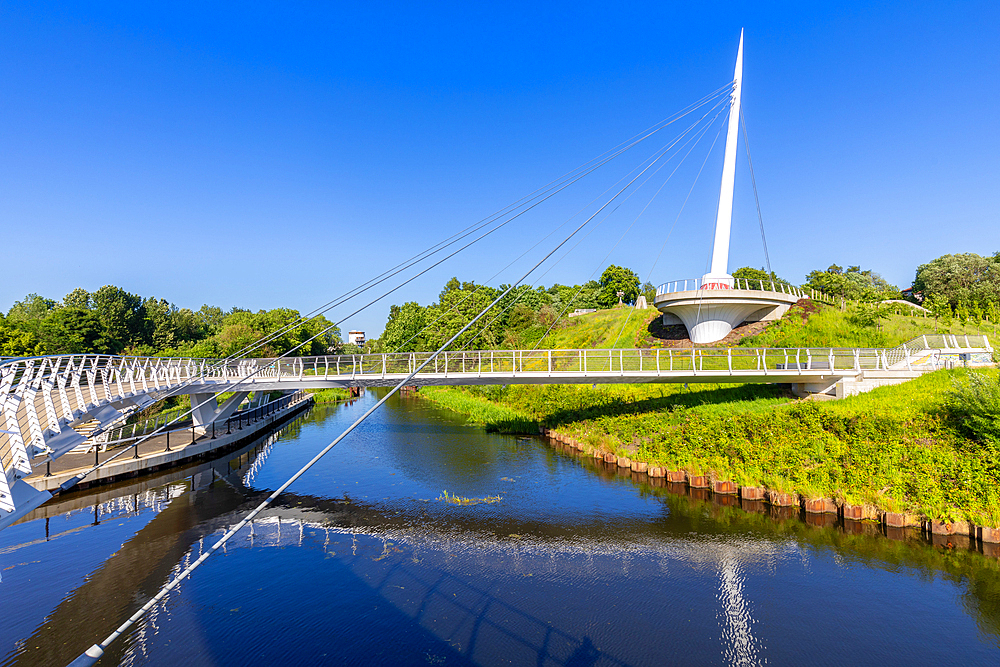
(698, 284)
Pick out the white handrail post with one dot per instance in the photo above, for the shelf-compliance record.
(550, 362)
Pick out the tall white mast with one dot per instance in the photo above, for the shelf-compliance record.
(720, 252)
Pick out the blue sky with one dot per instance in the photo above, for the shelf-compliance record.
(264, 155)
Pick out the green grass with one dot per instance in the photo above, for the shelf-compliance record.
(601, 330)
(831, 327)
(899, 448)
(828, 326)
(479, 409)
(331, 395)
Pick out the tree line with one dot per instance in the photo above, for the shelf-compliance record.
(111, 320)
(965, 286)
(520, 319)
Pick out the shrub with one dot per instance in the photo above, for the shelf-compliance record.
(975, 402)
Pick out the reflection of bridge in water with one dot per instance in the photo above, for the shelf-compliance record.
(408, 558)
(401, 554)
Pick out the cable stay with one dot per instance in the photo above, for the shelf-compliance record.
(491, 224)
(753, 180)
(498, 220)
(696, 138)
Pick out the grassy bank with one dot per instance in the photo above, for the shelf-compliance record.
(615, 327)
(898, 448)
(827, 326)
(332, 395)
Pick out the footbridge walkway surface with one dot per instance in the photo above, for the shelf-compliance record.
(55, 405)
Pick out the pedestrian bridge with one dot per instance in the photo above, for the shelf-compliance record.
(52, 405)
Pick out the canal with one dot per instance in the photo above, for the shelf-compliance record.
(552, 560)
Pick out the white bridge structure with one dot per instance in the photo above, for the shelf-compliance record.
(51, 404)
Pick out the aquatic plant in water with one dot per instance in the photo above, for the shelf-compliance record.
(454, 499)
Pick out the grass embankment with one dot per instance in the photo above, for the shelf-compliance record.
(615, 327)
(899, 448)
(819, 325)
(332, 395)
(828, 326)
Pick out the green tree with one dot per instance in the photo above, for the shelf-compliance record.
(853, 284)
(939, 309)
(78, 298)
(649, 291)
(756, 278)
(965, 278)
(16, 342)
(158, 328)
(71, 330)
(29, 313)
(121, 317)
(210, 318)
(402, 331)
(455, 309)
(618, 279)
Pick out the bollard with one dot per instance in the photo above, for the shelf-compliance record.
(213, 430)
(192, 433)
(135, 450)
(48, 468)
(168, 441)
(228, 425)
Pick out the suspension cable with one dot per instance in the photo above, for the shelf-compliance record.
(696, 138)
(580, 290)
(610, 153)
(481, 286)
(94, 653)
(753, 180)
(671, 230)
(607, 156)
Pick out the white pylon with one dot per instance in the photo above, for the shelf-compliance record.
(718, 276)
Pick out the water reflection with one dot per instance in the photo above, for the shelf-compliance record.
(578, 565)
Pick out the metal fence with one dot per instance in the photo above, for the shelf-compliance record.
(696, 284)
(126, 436)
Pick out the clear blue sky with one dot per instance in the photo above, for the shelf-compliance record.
(262, 155)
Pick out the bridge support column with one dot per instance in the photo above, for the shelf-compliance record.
(211, 410)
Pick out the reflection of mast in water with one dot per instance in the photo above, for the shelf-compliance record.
(739, 646)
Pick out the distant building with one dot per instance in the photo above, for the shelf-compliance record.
(356, 338)
(582, 311)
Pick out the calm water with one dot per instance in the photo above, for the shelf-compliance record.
(363, 564)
